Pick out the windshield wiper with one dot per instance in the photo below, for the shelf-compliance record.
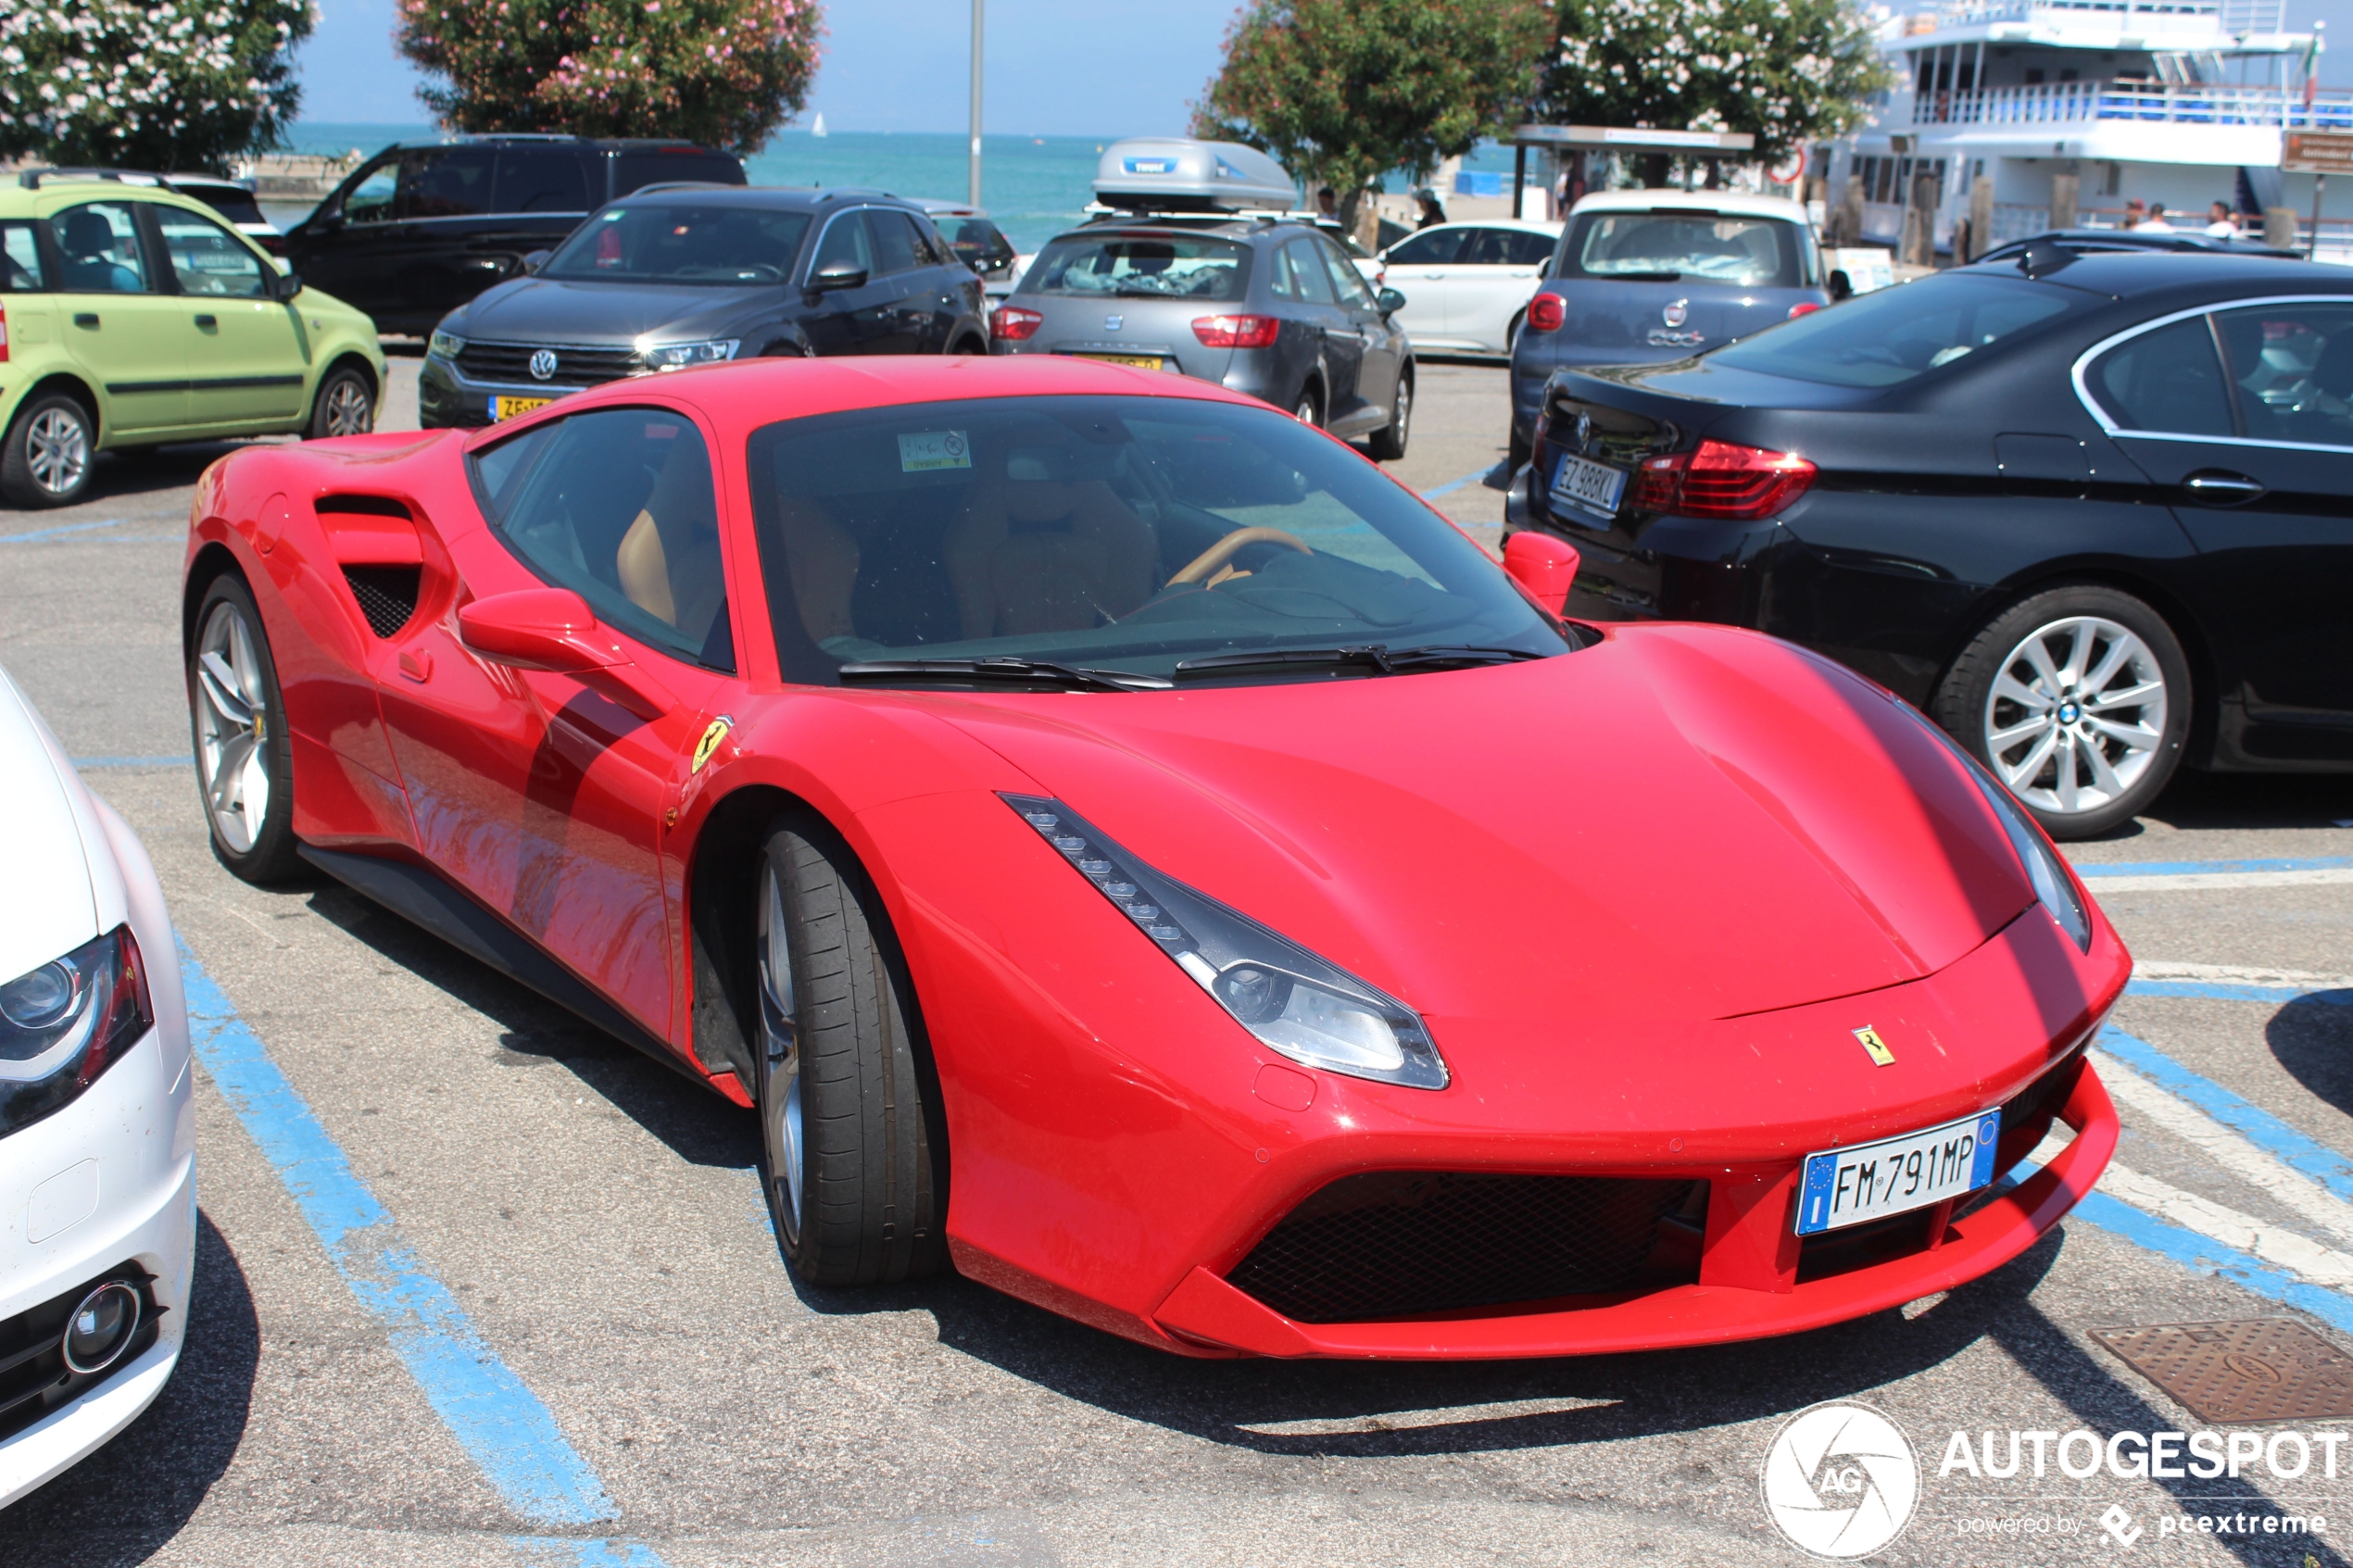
(1378, 659)
(1010, 671)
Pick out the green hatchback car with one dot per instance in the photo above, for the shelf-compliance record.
(130, 316)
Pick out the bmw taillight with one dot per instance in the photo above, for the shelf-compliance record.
(1546, 312)
(1011, 324)
(1720, 479)
(1237, 332)
(1802, 308)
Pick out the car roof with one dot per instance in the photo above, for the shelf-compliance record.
(2132, 275)
(1529, 225)
(2139, 240)
(1738, 203)
(17, 197)
(525, 138)
(939, 208)
(804, 198)
(1221, 225)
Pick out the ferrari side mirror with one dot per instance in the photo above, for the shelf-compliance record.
(1542, 565)
(554, 630)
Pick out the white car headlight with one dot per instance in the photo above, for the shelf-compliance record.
(445, 346)
(1295, 1003)
(2044, 869)
(679, 355)
(64, 1023)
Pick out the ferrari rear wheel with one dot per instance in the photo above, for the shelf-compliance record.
(849, 1169)
(245, 762)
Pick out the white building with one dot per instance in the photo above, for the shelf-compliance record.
(2183, 102)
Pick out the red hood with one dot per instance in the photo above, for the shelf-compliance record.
(1681, 824)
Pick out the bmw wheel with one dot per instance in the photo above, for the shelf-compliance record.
(846, 1103)
(245, 762)
(345, 405)
(51, 450)
(2078, 699)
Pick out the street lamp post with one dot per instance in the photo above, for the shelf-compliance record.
(974, 197)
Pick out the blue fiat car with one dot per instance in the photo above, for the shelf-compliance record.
(1644, 276)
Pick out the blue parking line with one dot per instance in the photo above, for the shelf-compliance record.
(2261, 1128)
(60, 531)
(2202, 1253)
(2225, 991)
(564, 1552)
(2195, 868)
(511, 1434)
(179, 760)
(1453, 485)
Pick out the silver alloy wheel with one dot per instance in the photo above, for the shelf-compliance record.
(233, 729)
(1405, 408)
(779, 1051)
(1306, 412)
(2076, 714)
(57, 449)
(351, 411)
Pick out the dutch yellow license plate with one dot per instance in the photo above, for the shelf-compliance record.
(507, 407)
(1140, 361)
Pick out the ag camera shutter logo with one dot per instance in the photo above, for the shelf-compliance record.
(1841, 1481)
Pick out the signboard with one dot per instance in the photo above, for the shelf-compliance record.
(2316, 152)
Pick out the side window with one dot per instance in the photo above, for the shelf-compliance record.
(897, 245)
(2290, 371)
(100, 244)
(207, 259)
(2168, 381)
(1485, 248)
(1348, 283)
(541, 180)
(370, 201)
(1522, 248)
(618, 506)
(19, 259)
(1433, 247)
(445, 183)
(845, 241)
(1307, 272)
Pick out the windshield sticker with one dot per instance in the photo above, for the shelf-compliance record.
(934, 449)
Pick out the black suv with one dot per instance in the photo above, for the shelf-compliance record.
(698, 275)
(419, 229)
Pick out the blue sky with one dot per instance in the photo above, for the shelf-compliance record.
(1078, 68)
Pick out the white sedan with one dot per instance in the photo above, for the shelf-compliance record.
(97, 1128)
(1467, 284)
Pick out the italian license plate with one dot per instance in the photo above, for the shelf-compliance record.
(507, 407)
(1588, 486)
(1140, 361)
(1846, 1186)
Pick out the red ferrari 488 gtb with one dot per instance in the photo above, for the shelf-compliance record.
(1126, 847)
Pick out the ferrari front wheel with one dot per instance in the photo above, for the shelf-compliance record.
(244, 760)
(849, 1166)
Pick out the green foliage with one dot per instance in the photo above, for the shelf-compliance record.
(1344, 91)
(179, 85)
(1787, 72)
(723, 72)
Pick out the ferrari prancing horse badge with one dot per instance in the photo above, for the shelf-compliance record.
(710, 742)
(1880, 1055)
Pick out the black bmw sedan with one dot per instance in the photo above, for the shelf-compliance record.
(2094, 513)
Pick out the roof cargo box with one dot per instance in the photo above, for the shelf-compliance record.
(1178, 174)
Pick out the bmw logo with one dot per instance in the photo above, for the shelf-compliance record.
(1584, 432)
(2069, 713)
(1677, 313)
(543, 364)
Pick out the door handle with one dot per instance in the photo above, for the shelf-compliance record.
(2221, 487)
(85, 317)
(208, 321)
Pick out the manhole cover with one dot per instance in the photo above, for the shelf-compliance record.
(2239, 1374)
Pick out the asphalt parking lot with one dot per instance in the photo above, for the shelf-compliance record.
(598, 1230)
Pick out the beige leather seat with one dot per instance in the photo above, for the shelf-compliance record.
(668, 562)
(1032, 553)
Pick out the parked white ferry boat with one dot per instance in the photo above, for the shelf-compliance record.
(2179, 102)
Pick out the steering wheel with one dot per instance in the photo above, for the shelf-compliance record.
(1226, 549)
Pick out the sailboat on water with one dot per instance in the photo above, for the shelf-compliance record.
(819, 129)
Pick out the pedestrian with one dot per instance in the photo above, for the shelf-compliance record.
(2136, 212)
(1327, 203)
(2156, 223)
(1431, 212)
(2221, 224)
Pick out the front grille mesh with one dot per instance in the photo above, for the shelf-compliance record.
(387, 594)
(1393, 1244)
(574, 367)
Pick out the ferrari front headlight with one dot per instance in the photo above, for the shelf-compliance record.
(1296, 1003)
(2047, 873)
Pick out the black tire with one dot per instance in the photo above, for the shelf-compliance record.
(1516, 453)
(1308, 407)
(1388, 443)
(845, 1095)
(50, 454)
(969, 345)
(343, 405)
(1511, 335)
(2122, 641)
(263, 851)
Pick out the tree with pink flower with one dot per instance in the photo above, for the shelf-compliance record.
(727, 74)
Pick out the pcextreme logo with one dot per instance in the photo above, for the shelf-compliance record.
(1840, 1481)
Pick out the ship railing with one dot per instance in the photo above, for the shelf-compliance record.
(2077, 103)
(2237, 17)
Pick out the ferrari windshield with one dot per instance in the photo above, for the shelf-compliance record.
(1153, 537)
(675, 242)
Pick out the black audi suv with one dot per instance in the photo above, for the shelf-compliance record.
(697, 275)
(2092, 513)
